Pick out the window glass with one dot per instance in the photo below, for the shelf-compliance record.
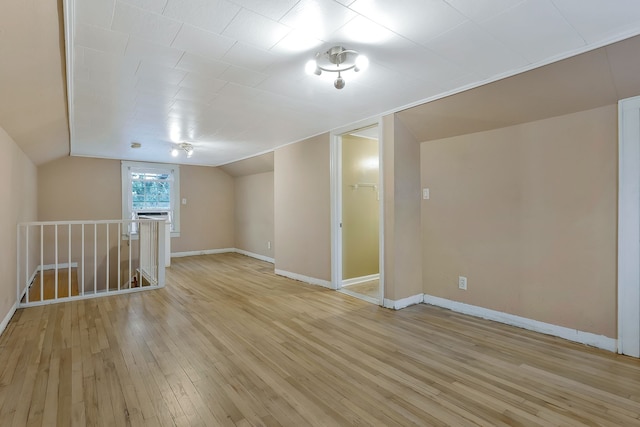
(151, 189)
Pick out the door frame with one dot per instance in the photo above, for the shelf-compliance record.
(629, 226)
(336, 201)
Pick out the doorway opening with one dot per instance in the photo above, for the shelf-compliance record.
(358, 212)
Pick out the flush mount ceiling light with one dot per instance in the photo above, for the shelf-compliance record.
(188, 148)
(337, 60)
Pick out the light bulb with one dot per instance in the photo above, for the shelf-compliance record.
(339, 83)
(311, 67)
(362, 63)
(175, 152)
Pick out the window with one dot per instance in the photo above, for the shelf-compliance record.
(151, 190)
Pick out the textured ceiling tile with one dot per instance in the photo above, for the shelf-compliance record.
(304, 17)
(100, 64)
(149, 71)
(365, 31)
(255, 29)
(402, 17)
(198, 64)
(480, 10)
(238, 91)
(272, 9)
(187, 94)
(151, 52)
(146, 25)
(247, 56)
(201, 42)
(210, 15)
(100, 39)
(94, 12)
(202, 82)
(155, 6)
(596, 19)
(520, 28)
(242, 76)
(296, 41)
(473, 49)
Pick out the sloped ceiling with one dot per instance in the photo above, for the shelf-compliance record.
(227, 75)
(256, 164)
(590, 80)
(33, 108)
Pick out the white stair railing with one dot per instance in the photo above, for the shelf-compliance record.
(61, 261)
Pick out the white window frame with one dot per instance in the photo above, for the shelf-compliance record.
(127, 199)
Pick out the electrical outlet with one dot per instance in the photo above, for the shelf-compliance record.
(268, 245)
(462, 283)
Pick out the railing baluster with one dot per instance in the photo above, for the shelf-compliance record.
(119, 246)
(42, 263)
(154, 251)
(55, 267)
(69, 262)
(107, 280)
(18, 296)
(26, 263)
(129, 272)
(82, 259)
(95, 258)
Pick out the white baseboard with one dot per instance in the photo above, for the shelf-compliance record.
(254, 255)
(306, 279)
(7, 318)
(588, 338)
(361, 279)
(402, 303)
(203, 252)
(222, 251)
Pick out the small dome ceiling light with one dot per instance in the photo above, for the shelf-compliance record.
(337, 60)
(136, 145)
(185, 146)
(188, 148)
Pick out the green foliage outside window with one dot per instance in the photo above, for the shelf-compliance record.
(150, 191)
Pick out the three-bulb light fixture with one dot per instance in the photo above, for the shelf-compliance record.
(185, 146)
(337, 60)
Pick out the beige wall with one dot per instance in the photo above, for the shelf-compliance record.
(302, 208)
(528, 214)
(254, 210)
(79, 188)
(18, 180)
(401, 177)
(360, 210)
(207, 220)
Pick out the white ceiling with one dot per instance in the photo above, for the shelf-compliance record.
(228, 75)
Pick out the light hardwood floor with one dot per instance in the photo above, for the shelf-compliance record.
(370, 289)
(229, 343)
(48, 285)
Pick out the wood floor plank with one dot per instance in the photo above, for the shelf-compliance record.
(229, 343)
